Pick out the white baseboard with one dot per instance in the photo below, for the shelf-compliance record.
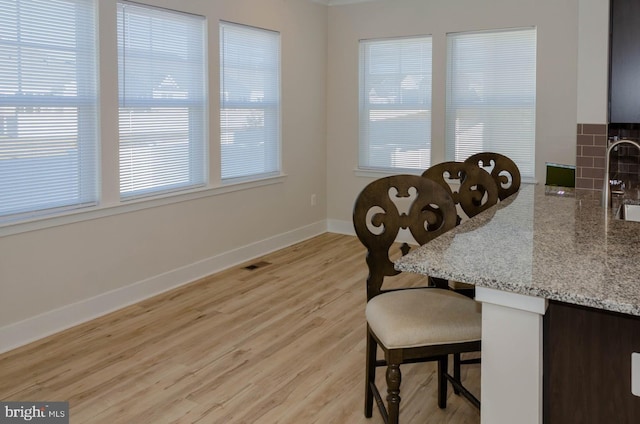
(20, 333)
(340, 227)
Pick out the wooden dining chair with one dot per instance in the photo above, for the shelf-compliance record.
(409, 324)
(473, 188)
(503, 170)
(476, 193)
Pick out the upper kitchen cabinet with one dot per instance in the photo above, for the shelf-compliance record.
(624, 72)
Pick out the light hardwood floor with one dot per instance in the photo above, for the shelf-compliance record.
(280, 344)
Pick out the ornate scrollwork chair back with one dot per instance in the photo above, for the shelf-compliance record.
(477, 190)
(504, 171)
(410, 324)
(377, 220)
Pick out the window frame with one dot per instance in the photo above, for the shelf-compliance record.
(365, 165)
(85, 144)
(194, 169)
(504, 100)
(109, 203)
(271, 106)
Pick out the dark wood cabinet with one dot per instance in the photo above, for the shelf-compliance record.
(587, 366)
(624, 62)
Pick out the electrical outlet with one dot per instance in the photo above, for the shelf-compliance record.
(635, 373)
(314, 200)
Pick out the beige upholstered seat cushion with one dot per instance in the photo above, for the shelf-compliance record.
(423, 317)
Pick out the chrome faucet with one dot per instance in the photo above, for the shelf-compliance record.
(607, 157)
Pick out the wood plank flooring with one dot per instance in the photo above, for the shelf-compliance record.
(283, 343)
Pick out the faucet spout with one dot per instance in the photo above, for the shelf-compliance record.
(607, 157)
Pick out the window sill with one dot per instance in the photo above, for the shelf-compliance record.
(379, 173)
(101, 211)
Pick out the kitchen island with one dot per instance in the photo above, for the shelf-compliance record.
(528, 255)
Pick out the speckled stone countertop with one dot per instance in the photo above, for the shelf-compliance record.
(550, 246)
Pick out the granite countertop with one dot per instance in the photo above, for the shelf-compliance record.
(563, 248)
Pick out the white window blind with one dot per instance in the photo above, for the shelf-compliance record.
(395, 104)
(162, 95)
(491, 95)
(48, 111)
(249, 102)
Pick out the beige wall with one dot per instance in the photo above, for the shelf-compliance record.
(593, 61)
(557, 24)
(47, 269)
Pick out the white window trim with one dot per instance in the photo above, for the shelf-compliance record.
(379, 173)
(74, 101)
(198, 133)
(449, 141)
(277, 153)
(133, 205)
(109, 203)
(365, 107)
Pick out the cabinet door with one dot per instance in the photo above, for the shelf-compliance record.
(624, 82)
(587, 366)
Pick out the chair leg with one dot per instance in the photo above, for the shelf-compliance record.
(443, 365)
(370, 374)
(456, 371)
(394, 377)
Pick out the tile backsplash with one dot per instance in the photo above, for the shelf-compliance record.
(625, 159)
(591, 146)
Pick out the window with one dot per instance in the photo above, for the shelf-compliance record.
(48, 107)
(491, 95)
(162, 95)
(249, 102)
(395, 104)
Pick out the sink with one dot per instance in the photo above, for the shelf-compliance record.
(629, 212)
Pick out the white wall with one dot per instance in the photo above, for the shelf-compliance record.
(557, 24)
(55, 277)
(593, 61)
